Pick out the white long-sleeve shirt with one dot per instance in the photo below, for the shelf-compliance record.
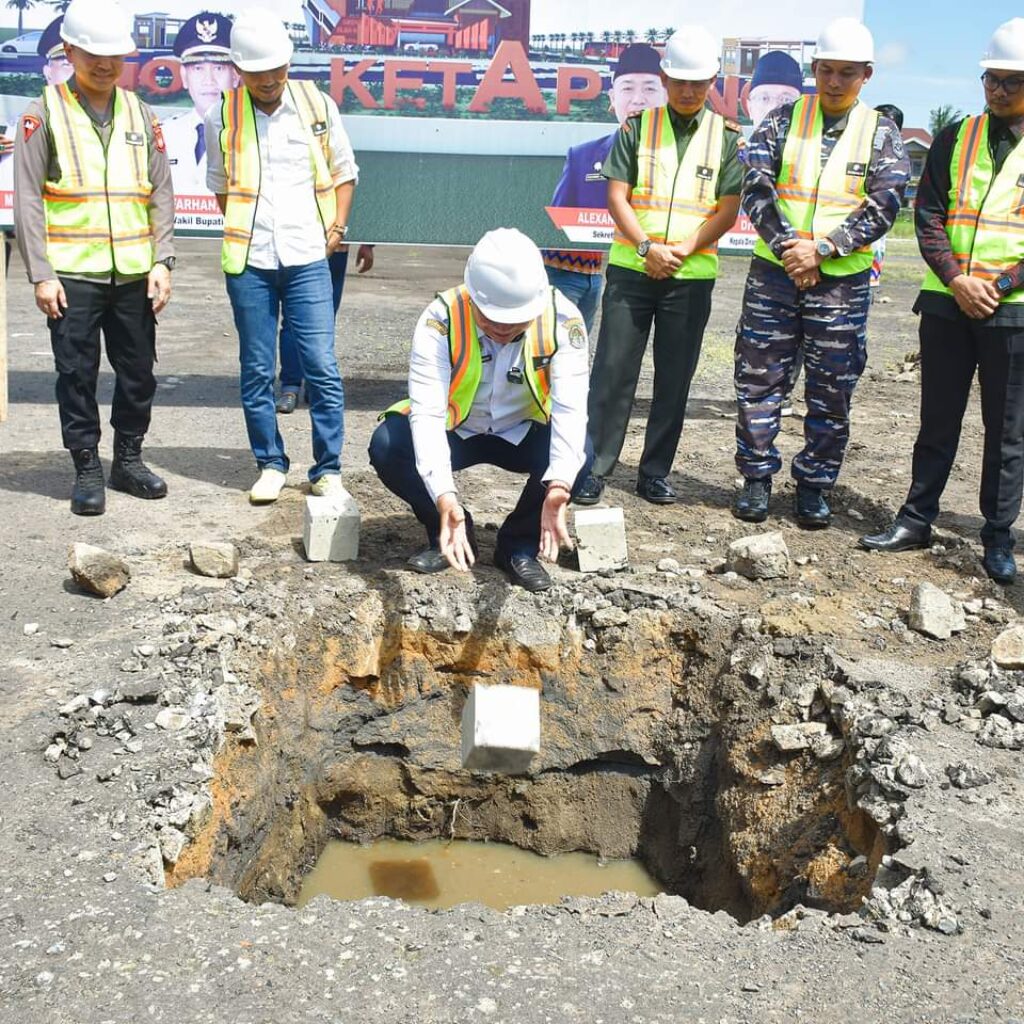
(500, 406)
(286, 231)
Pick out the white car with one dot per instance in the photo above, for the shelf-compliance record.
(27, 42)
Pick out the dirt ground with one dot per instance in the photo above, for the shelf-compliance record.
(77, 945)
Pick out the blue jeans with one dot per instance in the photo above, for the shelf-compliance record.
(301, 296)
(393, 457)
(582, 290)
(291, 367)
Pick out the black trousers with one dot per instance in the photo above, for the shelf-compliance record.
(679, 311)
(125, 316)
(951, 352)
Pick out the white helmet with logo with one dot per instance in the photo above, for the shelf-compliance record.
(505, 277)
(99, 27)
(691, 54)
(845, 39)
(259, 41)
(1006, 48)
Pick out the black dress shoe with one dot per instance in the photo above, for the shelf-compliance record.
(655, 489)
(812, 511)
(590, 491)
(524, 571)
(428, 561)
(1000, 565)
(751, 504)
(901, 536)
(287, 402)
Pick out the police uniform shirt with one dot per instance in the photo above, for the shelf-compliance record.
(622, 163)
(181, 135)
(287, 230)
(35, 163)
(501, 406)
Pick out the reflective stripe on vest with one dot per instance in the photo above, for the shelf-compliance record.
(814, 199)
(239, 142)
(539, 347)
(985, 222)
(672, 198)
(97, 213)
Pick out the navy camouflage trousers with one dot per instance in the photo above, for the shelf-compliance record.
(829, 322)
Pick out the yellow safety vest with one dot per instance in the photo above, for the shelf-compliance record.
(672, 198)
(97, 213)
(985, 224)
(239, 142)
(539, 347)
(814, 199)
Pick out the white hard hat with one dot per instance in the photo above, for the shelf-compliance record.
(99, 27)
(691, 54)
(259, 41)
(845, 39)
(505, 277)
(1006, 48)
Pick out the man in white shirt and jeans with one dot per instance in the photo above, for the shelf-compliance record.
(282, 169)
(498, 376)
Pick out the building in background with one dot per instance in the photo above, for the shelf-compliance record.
(741, 54)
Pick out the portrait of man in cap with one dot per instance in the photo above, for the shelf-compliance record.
(777, 79)
(56, 66)
(202, 46)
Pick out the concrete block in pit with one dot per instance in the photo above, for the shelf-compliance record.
(601, 539)
(500, 728)
(330, 529)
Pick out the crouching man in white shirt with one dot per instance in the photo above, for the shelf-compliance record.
(498, 376)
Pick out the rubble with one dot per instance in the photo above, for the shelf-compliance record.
(934, 613)
(214, 559)
(96, 570)
(1008, 648)
(763, 556)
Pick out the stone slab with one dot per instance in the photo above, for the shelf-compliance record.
(500, 728)
(330, 529)
(601, 539)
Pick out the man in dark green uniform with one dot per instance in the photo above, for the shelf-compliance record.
(673, 191)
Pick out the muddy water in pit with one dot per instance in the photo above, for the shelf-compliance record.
(438, 874)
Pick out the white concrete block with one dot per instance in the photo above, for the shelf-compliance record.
(500, 728)
(330, 529)
(601, 539)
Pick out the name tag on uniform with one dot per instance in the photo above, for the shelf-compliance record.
(857, 168)
(594, 176)
(485, 358)
(541, 362)
(705, 173)
(319, 127)
(135, 138)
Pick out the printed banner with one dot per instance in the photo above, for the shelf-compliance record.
(464, 114)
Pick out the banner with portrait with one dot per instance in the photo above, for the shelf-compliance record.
(464, 114)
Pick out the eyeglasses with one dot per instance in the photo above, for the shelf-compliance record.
(1011, 85)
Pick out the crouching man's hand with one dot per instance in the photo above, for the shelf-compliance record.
(554, 533)
(453, 539)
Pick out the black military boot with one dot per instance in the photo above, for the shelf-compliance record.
(129, 473)
(88, 497)
(812, 511)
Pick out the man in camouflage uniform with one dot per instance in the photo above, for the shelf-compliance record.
(825, 178)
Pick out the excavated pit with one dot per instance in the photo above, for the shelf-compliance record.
(655, 744)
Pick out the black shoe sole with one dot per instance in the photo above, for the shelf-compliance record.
(135, 492)
(749, 516)
(1003, 581)
(813, 524)
(895, 550)
(657, 501)
(587, 500)
(87, 510)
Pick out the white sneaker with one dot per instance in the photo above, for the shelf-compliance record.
(268, 488)
(326, 486)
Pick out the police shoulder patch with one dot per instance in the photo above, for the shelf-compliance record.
(577, 332)
(437, 325)
(158, 136)
(732, 126)
(29, 124)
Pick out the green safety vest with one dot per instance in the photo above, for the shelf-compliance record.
(539, 347)
(672, 198)
(985, 223)
(97, 213)
(815, 200)
(239, 142)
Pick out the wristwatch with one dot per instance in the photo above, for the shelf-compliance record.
(644, 248)
(824, 248)
(1004, 284)
(338, 229)
(168, 262)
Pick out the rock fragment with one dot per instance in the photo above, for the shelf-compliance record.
(934, 613)
(214, 559)
(96, 570)
(1008, 648)
(788, 738)
(964, 775)
(173, 719)
(762, 556)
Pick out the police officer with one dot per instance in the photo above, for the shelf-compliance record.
(825, 178)
(498, 376)
(56, 66)
(970, 230)
(97, 264)
(636, 85)
(203, 46)
(673, 191)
